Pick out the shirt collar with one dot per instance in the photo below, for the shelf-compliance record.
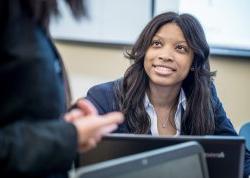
(147, 103)
(182, 101)
(178, 114)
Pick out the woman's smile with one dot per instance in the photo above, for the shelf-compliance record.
(163, 69)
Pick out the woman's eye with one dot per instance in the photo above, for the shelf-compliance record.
(156, 43)
(182, 48)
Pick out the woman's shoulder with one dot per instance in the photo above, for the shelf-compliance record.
(103, 96)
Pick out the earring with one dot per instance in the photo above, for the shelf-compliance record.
(192, 68)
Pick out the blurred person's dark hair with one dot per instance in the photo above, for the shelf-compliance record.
(41, 10)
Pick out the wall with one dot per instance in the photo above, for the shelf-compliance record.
(88, 66)
(91, 65)
(233, 86)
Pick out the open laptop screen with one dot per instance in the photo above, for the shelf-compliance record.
(178, 161)
(224, 154)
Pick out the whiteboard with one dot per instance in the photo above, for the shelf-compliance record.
(109, 21)
(226, 22)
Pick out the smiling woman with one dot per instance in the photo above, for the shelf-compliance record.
(176, 42)
(168, 90)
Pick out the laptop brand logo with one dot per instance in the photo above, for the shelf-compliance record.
(220, 155)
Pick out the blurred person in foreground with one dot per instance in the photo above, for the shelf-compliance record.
(37, 137)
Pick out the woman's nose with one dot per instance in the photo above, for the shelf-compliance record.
(166, 55)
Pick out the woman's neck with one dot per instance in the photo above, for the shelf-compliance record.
(161, 96)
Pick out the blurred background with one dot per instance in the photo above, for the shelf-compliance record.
(93, 49)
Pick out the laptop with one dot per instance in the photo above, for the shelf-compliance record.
(224, 154)
(189, 157)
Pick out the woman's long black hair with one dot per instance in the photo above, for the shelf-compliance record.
(41, 10)
(198, 118)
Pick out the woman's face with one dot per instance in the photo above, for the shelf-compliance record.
(169, 58)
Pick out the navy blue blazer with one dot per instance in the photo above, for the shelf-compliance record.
(103, 97)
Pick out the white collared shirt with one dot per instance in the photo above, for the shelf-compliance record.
(177, 118)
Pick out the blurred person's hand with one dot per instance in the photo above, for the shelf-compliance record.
(83, 108)
(89, 125)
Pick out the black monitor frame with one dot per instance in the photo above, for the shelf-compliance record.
(224, 154)
(135, 163)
